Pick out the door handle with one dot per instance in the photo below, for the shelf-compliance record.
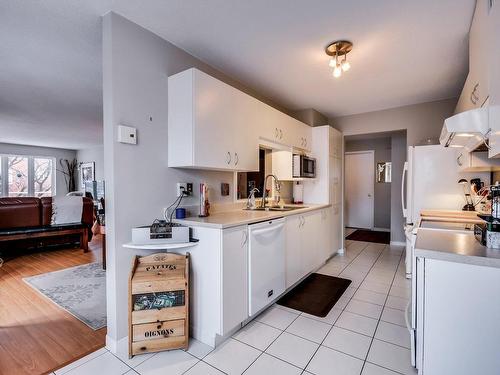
(403, 179)
(369, 195)
(236, 158)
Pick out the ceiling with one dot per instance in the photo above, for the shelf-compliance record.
(405, 52)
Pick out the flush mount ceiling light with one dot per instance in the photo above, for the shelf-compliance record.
(338, 51)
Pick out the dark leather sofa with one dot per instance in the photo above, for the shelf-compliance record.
(25, 218)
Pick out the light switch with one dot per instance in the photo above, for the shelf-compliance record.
(127, 134)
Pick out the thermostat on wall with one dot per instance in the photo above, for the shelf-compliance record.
(127, 134)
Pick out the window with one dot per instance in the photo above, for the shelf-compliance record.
(27, 176)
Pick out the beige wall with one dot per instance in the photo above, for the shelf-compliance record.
(311, 117)
(421, 121)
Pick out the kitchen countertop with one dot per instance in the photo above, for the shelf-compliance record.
(455, 247)
(451, 215)
(238, 217)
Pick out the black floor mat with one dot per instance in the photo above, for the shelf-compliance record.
(316, 294)
(370, 236)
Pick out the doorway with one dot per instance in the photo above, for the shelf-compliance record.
(359, 189)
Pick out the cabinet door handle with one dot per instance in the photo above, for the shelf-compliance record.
(236, 158)
(281, 134)
(459, 162)
(276, 133)
(245, 238)
(473, 95)
(228, 159)
(305, 142)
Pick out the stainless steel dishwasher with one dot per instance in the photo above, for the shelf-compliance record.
(266, 263)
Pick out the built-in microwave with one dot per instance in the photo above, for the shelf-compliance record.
(303, 166)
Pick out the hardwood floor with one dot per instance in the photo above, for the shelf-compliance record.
(37, 336)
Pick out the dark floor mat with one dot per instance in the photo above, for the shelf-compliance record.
(370, 236)
(316, 294)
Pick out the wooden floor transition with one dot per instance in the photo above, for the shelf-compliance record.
(37, 336)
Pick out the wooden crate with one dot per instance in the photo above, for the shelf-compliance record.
(161, 328)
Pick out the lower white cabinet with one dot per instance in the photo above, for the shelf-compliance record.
(234, 278)
(306, 244)
(457, 318)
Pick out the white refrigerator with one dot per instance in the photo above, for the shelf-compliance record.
(430, 181)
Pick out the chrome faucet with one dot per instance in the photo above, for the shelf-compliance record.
(251, 199)
(278, 187)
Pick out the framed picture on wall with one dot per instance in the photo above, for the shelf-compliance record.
(87, 173)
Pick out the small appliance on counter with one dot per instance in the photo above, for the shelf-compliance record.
(488, 233)
(303, 166)
(161, 231)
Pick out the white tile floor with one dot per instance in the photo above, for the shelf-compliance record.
(363, 334)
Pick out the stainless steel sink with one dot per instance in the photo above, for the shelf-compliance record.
(284, 209)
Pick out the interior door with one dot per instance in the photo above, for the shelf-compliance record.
(359, 189)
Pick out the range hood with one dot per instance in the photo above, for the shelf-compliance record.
(467, 129)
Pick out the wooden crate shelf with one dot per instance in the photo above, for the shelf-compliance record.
(158, 327)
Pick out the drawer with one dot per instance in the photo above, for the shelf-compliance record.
(152, 346)
(160, 330)
(158, 286)
(158, 315)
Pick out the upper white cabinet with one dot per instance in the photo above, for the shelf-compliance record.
(476, 162)
(476, 88)
(278, 127)
(494, 78)
(210, 124)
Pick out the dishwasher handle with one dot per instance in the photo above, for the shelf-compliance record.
(266, 230)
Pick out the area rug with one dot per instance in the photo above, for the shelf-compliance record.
(316, 294)
(370, 236)
(80, 290)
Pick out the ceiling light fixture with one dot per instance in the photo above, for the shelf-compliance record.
(338, 50)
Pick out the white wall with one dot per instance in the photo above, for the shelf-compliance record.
(382, 191)
(58, 153)
(421, 121)
(96, 155)
(136, 65)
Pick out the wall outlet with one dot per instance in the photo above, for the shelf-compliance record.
(186, 187)
(181, 186)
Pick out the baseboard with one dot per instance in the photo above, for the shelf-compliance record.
(398, 243)
(118, 347)
(381, 229)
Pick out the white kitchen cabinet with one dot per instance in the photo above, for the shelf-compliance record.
(335, 144)
(210, 124)
(324, 234)
(476, 162)
(457, 324)
(336, 229)
(304, 235)
(300, 135)
(234, 278)
(311, 231)
(494, 79)
(295, 269)
(282, 164)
